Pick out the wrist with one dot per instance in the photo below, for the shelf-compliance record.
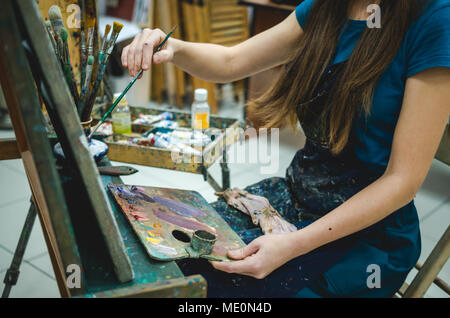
(175, 45)
(298, 244)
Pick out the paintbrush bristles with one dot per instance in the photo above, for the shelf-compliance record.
(174, 28)
(117, 27)
(90, 23)
(55, 16)
(48, 26)
(107, 29)
(54, 12)
(105, 38)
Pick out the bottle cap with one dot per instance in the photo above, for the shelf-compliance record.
(117, 95)
(201, 95)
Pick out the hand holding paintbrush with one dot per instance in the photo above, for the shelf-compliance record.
(117, 101)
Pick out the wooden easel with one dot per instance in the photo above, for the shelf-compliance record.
(80, 225)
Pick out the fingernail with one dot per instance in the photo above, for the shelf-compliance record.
(145, 66)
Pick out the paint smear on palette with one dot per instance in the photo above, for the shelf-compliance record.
(183, 222)
(166, 250)
(178, 207)
(133, 194)
(138, 216)
(163, 249)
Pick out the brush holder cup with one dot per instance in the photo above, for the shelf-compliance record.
(97, 148)
(202, 244)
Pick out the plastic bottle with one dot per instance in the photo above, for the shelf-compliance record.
(200, 109)
(121, 118)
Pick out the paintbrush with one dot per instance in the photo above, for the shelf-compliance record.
(117, 101)
(48, 26)
(65, 47)
(90, 48)
(87, 48)
(55, 16)
(117, 27)
(89, 67)
(67, 67)
(87, 107)
(83, 52)
(104, 46)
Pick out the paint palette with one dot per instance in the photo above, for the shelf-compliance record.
(174, 224)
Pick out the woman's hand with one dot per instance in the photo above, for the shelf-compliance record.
(139, 54)
(261, 257)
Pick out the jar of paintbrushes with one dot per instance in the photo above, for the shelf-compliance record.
(93, 61)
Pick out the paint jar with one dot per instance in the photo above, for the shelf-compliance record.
(86, 125)
(97, 148)
(203, 242)
(200, 109)
(121, 117)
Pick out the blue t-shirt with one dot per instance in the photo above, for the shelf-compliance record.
(426, 45)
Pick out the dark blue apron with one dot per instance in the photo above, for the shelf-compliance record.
(316, 183)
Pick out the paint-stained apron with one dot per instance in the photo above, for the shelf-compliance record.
(316, 183)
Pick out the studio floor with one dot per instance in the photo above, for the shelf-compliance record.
(37, 278)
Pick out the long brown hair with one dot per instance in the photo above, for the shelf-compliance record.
(373, 53)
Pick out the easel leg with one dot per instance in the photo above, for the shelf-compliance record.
(12, 274)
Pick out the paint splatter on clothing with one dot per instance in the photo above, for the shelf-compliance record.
(316, 183)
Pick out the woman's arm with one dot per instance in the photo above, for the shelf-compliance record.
(423, 118)
(212, 62)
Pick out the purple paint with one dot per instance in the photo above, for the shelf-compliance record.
(179, 208)
(139, 192)
(133, 194)
(182, 222)
(123, 193)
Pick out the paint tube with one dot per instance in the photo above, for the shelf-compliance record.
(195, 138)
(165, 142)
(151, 119)
(167, 124)
(181, 146)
